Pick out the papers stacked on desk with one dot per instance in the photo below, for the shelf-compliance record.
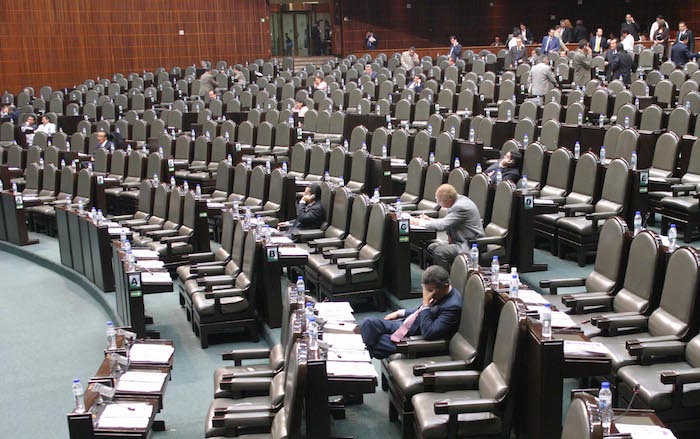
(151, 353)
(141, 382)
(335, 311)
(215, 205)
(573, 347)
(334, 327)
(158, 277)
(339, 354)
(542, 202)
(144, 253)
(292, 251)
(117, 231)
(125, 415)
(149, 264)
(559, 319)
(281, 240)
(530, 297)
(351, 369)
(644, 431)
(345, 341)
(504, 280)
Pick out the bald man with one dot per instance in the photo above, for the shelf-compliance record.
(462, 224)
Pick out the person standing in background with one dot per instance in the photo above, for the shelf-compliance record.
(371, 40)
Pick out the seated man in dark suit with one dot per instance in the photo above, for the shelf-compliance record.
(509, 166)
(437, 317)
(310, 213)
(518, 53)
(680, 52)
(369, 72)
(416, 85)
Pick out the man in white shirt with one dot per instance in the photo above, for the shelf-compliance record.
(655, 27)
(46, 126)
(513, 41)
(627, 40)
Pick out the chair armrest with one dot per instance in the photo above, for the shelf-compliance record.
(595, 217)
(421, 347)
(208, 269)
(158, 234)
(646, 350)
(488, 240)
(680, 189)
(196, 258)
(307, 235)
(388, 199)
(557, 200)
(573, 209)
(681, 376)
(246, 384)
(246, 354)
(336, 254)
(357, 263)
(211, 281)
(613, 323)
(255, 209)
(220, 294)
(578, 302)
(122, 217)
(422, 369)
(453, 380)
(256, 420)
(148, 228)
(325, 242)
(456, 407)
(555, 284)
(178, 238)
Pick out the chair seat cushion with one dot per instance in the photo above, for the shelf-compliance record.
(656, 395)
(131, 195)
(470, 424)
(549, 218)
(617, 349)
(316, 261)
(114, 191)
(229, 305)
(658, 195)
(182, 173)
(576, 224)
(336, 276)
(199, 176)
(178, 248)
(399, 178)
(686, 204)
(401, 371)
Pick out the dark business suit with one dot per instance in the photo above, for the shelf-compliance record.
(603, 44)
(309, 216)
(567, 34)
(632, 28)
(609, 57)
(511, 174)
(550, 44)
(622, 66)
(580, 33)
(416, 88)
(517, 55)
(439, 321)
(691, 39)
(680, 54)
(455, 52)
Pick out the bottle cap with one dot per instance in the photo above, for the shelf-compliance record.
(547, 305)
(495, 258)
(76, 380)
(605, 385)
(300, 278)
(474, 246)
(308, 304)
(109, 323)
(312, 319)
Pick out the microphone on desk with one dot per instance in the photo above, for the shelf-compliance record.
(646, 219)
(635, 390)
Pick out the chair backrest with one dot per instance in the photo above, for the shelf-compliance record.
(479, 193)
(551, 111)
(580, 422)
(678, 296)
(300, 159)
(502, 210)
(175, 208)
(275, 195)
(679, 121)
(585, 180)
(358, 137)
(257, 187)
(319, 160)
(626, 144)
(49, 181)
(32, 179)
(643, 263)
(495, 380)
(558, 174)
(614, 193)
(145, 196)
(665, 159)
(466, 343)
(606, 270)
(651, 118)
(444, 148)
(421, 145)
(240, 182)
(372, 250)
(67, 185)
(533, 165)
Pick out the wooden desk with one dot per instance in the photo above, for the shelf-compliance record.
(13, 219)
(268, 284)
(523, 243)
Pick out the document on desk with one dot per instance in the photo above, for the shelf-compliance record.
(573, 347)
(644, 431)
(345, 341)
(543, 202)
(125, 415)
(351, 369)
(530, 297)
(144, 253)
(281, 240)
(215, 205)
(142, 382)
(151, 353)
(348, 355)
(150, 264)
(559, 319)
(159, 277)
(292, 251)
(504, 280)
(335, 311)
(116, 231)
(336, 327)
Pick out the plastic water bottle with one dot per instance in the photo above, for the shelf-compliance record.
(14, 188)
(627, 121)
(309, 312)
(488, 113)
(248, 215)
(514, 283)
(227, 136)
(431, 158)
(633, 161)
(63, 163)
(474, 255)
(111, 336)
(346, 146)
(499, 176)
(523, 182)
(637, 223)
(687, 105)
(672, 238)
(291, 121)
(509, 114)
(602, 153)
(364, 146)
(471, 134)
(457, 164)
(453, 132)
(81, 207)
(328, 142)
(580, 118)
(326, 176)
(93, 214)
(268, 169)
(122, 238)
(577, 150)
(172, 183)
(186, 186)
(160, 151)
(301, 288)
(78, 403)
(155, 180)
(399, 208)
(430, 130)
(308, 141)
(384, 151)
(359, 109)
(229, 160)
(546, 319)
(284, 168)
(526, 140)
(198, 192)
(646, 90)
(249, 163)
(341, 181)
(636, 103)
(605, 406)
(478, 168)
(495, 269)
(407, 126)
(312, 329)
(375, 197)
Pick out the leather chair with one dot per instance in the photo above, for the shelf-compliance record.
(533, 166)
(434, 177)
(258, 188)
(683, 211)
(219, 153)
(33, 176)
(146, 233)
(271, 209)
(101, 164)
(549, 135)
(484, 399)
(481, 192)
(559, 176)
(581, 232)
(444, 149)
(421, 114)
(227, 418)
(143, 209)
(665, 159)
(174, 244)
(358, 171)
(359, 273)
(299, 164)
(155, 167)
(135, 171)
(157, 215)
(338, 164)
(465, 352)
(223, 183)
(323, 250)
(358, 137)
(318, 163)
(497, 240)
(583, 192)
(328, 203)
(671, 321)
(220, 311)
(200, 160)
(583, 420)
(414, 185)
(64, 196)
(117, 166)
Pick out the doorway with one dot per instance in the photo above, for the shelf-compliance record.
(290, 33)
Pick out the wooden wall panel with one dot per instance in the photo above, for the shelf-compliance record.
(430, 23)
(63, 42)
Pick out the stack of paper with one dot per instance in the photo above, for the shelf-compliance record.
(292, 251)
(149, 264)
(645, 431)
(504, 280)
(144, 253)
(530, 297)
(344, 341)
(141, 382)
(573, 347)
(339, 327)
(351, 369)
(117, 231)
(281, 240)
(559, 319)
(542, 201)
(151, 353)
(125, 415)
(335, 311)
(215, 205)
(335, 354)
(159, 277)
